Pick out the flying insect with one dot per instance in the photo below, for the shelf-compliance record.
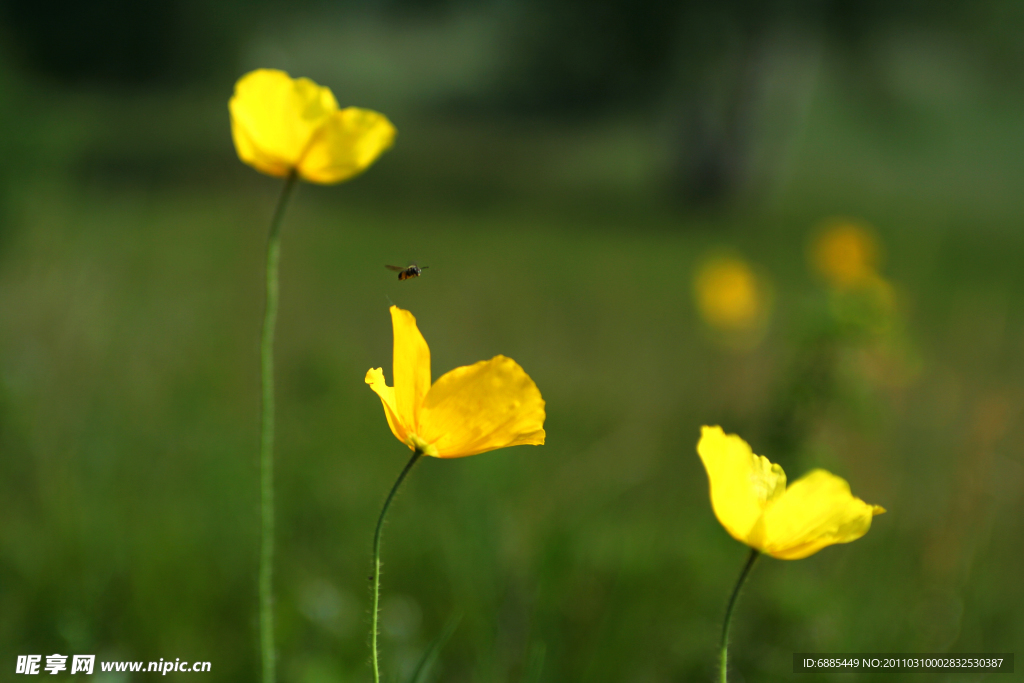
(411, 270)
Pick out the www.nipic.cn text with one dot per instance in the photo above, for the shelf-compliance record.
(86, 664)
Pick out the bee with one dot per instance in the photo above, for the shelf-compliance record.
(405, 273)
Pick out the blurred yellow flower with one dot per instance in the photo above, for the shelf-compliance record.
(282, 124)
(476, 408)
(847, 255)
(729, 296)
(751, 500)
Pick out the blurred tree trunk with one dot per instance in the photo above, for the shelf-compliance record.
(730, 135)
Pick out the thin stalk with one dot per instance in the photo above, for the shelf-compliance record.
(376, 561)
(267, 438)
(751, 559)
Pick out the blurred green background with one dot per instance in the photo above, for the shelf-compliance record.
(563, 167)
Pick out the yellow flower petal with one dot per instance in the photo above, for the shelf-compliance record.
(254, 156)
(348, 143)
(411, 363)
(375, 378)
(477, 408)
(742, 484)
(816, 511)
(274, 118)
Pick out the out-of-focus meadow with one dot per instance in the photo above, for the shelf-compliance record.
(567, 171)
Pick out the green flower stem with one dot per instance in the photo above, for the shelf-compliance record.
(751, 559)
(376, 561)
(267, 438)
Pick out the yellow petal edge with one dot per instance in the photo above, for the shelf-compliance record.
(750, 499)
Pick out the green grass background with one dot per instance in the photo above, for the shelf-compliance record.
(130, 302)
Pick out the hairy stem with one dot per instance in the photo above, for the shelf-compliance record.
(376, 562)
(751, 559)
(267, 438)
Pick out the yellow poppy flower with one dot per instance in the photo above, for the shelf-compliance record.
(846, 254)
(729, 295)
(751, 500)
(476, 408)
(282, 124)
